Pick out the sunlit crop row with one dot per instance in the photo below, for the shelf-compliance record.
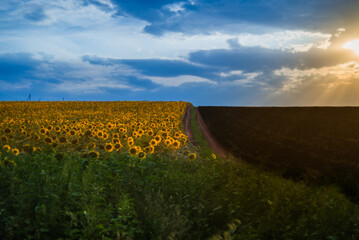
(92, 128)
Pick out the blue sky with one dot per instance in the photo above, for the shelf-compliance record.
(208, 52)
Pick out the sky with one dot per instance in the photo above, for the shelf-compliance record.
(207, 52)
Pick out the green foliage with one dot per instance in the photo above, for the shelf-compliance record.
(201, 142)
(55, 196)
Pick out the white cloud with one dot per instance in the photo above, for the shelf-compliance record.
(175, 7)
(244, 80)
(343, 74)
(6, 86)
(90, 86)
(179, 80)
(339, 32)
(72, 30)
(294, 41)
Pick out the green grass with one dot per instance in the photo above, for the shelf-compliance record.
(204, 149)
(65, 196)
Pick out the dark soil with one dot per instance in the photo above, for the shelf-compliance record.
(318, 144)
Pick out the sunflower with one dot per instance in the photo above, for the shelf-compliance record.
(7, 130)
(168, 142)
(135, 134)
(6, 148)
(158, 138)
(176, 144)
(115, 140)
(3, 138)
(100, 134)
(91, 145)
(48, 140)
(72, 132)
(213, 156)
(36, 137)
(57, 129)
(15, 151)
(118, 146)
(62, 139)
(50, 127)
(133, 151)
(153, 142)
(88, 133)
(138, 148)
(109, 147)
(142, 155)
(105, 136)
(149, 149)
(164, 135)
(177, 135)
(93, 154)
(192, 156)
(42, 131)
(75, 141)
(115, 135)
(130, 141)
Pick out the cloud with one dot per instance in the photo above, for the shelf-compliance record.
(156, 67)
(7, 86)
(335, 85)
(222, 15)
(35, 13)
(179, 80)
(252, 59)
(17, 66)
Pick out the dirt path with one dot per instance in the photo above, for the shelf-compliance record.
(212, 142)
(187, 125)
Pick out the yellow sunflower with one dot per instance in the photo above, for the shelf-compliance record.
(176, 144)
(48, 140)
(192, 156)
(142, 155)
(93, 154)
(118, 146)
(153, 142)
(133, 151)
(7, 130)
(6, 148)
(42, 131)
(62, 139)
(91, 145)
(149, 149)
(15, 151)
(109, 147)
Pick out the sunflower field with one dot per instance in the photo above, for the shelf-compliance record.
(92, 128)
(125, 170)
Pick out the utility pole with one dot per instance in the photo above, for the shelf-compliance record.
(29, 98)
